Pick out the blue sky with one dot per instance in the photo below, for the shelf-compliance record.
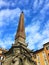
(36, 13)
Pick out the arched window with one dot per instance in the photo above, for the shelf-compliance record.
(47, 47)
(1, 58)
(0, 61)
(21, 62)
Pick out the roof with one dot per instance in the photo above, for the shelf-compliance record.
(4, 50)
(46, 44)
(38, 50)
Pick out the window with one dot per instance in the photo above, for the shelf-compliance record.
(44, 55)
(0, 60)
(34, 56)
(38, 57)
(46, 63)
(47, 47)
(0, 57)
(0, 63)
(48, 54)
(45, 58)
(38, 63)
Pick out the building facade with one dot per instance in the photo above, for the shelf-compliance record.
(42, 56)
(2, 51)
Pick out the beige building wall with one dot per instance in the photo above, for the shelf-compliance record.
(42, 55)
(1, 54)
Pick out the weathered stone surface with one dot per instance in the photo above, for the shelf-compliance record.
(19, 54)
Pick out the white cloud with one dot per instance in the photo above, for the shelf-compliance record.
(32, 33)
(1, 24)
(8, 15)
(26, 12)
(7, 4)
(33, 27)
(43, 41)
(2, 2)
(37, 4)
(5, 19)
(45, 9)
(46, 30)
(34, 37)
(6, 42)
(23, 2)
(45, 35)
(41, 6)
(8, 12)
